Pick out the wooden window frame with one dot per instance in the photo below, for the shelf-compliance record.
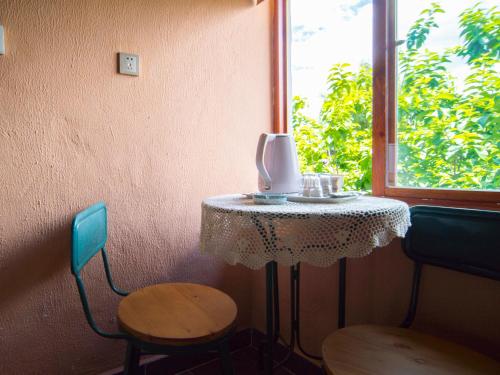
(384, 108)
(281, 66)
(385, 120)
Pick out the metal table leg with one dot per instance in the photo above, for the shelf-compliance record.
(295, 298)
(295, 325)
(276, 305)
(272, 314)
(272, 309)
(342, 287)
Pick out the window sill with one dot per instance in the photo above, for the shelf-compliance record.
(443, 197)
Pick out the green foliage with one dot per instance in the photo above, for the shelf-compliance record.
(418, 33)
(341, 140)
(447, 138)
(480, 30)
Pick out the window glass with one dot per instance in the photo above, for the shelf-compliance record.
(448, 103)
(331, 86)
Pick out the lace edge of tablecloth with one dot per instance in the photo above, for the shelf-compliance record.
(258, 261)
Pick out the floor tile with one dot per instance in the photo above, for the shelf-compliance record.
(176, 364)
(244, 363)
(240, 339)
(283, 371)
(245, 360)
(299, 365)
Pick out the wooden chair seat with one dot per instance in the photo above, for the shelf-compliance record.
(177, 314)
(368, 349)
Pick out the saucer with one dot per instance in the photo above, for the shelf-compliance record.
(269, 198)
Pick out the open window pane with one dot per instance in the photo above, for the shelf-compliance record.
(331, 87)
(448, 103)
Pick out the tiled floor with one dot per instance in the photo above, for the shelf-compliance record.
(245, 359)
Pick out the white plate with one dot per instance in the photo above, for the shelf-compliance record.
(251, 195)
(301, 199)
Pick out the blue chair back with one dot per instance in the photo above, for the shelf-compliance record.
(89, 235)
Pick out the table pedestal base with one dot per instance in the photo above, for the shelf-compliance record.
(273, 311)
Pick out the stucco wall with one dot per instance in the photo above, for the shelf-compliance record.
(73, 131)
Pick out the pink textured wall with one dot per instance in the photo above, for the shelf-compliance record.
(456, 306)
(73, 131)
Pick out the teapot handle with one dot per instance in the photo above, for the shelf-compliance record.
(259, 159)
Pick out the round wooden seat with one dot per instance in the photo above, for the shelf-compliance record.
(368, 349)
(177, 314)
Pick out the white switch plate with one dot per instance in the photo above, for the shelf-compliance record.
(128, 64)
(2, 41)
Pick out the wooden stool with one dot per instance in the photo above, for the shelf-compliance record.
(177, 314)
(379, 350)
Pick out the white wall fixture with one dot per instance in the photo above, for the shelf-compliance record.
(128, 64)
(2, 41)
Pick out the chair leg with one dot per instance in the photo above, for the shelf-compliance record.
(225, 357)
(132, 360)
(262, 347)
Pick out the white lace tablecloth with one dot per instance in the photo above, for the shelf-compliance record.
(239, 231)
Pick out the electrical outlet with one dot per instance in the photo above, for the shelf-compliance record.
(128, 64)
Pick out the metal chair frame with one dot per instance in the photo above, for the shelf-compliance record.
(467, 222)
(93, 243)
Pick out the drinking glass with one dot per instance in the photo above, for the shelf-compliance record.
(307, 182)
(337, 183)
(316, 190)
(326, 183)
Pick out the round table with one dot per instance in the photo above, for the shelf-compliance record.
(237, 230)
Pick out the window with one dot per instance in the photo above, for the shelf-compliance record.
(430, 91)
(331, 86)
(447, 84)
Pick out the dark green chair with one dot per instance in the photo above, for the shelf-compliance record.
(171, 318)
(463, 240)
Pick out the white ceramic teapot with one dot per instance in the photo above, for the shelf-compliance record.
(277, 163)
